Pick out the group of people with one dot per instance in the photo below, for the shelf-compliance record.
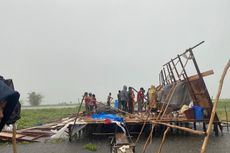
(90, 102)
(126, 99)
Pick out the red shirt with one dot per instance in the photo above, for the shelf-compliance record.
(140, 96)
(87, 100)
(93, 102)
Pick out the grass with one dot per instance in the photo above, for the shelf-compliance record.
(221, 108)
(56, 141)
(35, 117)
(90, 147)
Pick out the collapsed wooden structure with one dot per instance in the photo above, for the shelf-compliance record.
(172, 75)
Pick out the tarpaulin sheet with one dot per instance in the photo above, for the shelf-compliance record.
(108, 116)
(180, 97)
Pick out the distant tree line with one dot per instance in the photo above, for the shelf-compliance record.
(34, 98)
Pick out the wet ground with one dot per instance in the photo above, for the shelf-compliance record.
(173, 144)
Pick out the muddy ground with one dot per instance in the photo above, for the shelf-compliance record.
(173, 144)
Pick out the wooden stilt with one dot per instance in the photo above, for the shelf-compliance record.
(148, 139)
(163, 140)
(204, 126)
(203, 148)
(216, 129)
(14, 139)
(194, 125)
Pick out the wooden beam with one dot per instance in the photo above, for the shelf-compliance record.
(204, 74)
(180, 128)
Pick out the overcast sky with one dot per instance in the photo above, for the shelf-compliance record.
(62, 48)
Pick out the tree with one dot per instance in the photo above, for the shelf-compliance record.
(34, 98)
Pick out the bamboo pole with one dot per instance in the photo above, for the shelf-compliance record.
(163, 140)
(180, 128)
(159, 116)
(14, 139)
(142, 128)
(148, 139)
(203, 148)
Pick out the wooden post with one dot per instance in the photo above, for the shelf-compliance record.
(163, 140)
(203, 148)
(14, 139)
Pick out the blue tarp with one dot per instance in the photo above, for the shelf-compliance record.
(108, 116)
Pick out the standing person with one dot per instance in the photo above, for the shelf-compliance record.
(87, 101)
(131, 97)
(109, 99)
(119, 99)
(90, 102)
(152, 97)
(140, 99)
(93, 104)
(147, 99)
(124, 98)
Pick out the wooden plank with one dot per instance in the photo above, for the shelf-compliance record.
(204, 74)
(37, 132)
(9, 135)
(27, 138)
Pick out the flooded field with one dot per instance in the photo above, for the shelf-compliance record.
(173, 144)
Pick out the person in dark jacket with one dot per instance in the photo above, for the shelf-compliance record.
(8, 99)
(124, 98)
(131, 97)
(119, 99)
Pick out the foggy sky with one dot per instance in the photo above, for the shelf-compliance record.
(62, 48)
